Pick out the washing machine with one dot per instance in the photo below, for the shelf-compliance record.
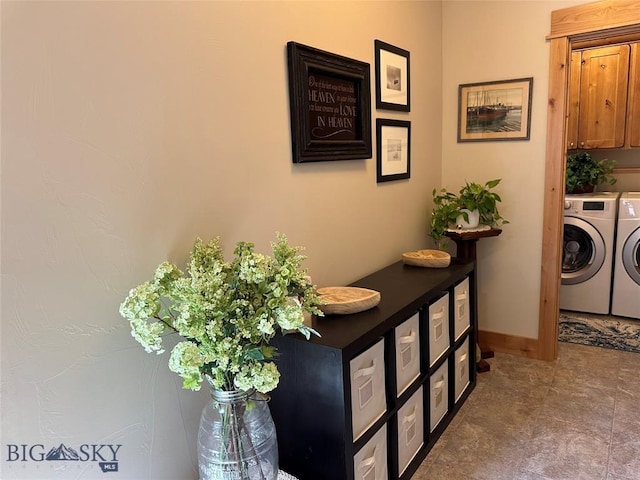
(625, 300)
(587, 256)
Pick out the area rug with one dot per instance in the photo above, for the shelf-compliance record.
(604, 331)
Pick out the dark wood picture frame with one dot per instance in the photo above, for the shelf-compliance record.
(393, 148)
(393, 77)
(330, 105)
(491, 111)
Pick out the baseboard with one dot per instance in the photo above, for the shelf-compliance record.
(499, 342)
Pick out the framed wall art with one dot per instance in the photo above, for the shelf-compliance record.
(392, 78)
(495, 110)
(393, 142)
(330, 105)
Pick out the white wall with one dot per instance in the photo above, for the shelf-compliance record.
(130, 128)
(501, 41)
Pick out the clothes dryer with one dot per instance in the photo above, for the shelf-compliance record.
(588, 244)
(626, 278)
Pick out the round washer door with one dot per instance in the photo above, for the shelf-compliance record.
(583, 251)
(631, 255)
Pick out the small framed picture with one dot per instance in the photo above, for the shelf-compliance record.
(495, 110)
(392, 78)
(393, 149)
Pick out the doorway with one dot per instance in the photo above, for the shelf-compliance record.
(600, 22)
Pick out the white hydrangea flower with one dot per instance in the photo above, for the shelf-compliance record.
(265, 325)
(148, 335)
(186, 361)
(264, 377)
(165, 275)
(141, 303)
(290, 316)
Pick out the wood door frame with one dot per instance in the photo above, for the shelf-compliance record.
(597, 21)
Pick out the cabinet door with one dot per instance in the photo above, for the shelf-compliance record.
(438, 329)
(573, 105)
(603, 97)
(368, 400)
(633, 115)
(407, 337)
(462, 377)
(439, 395)
(410, 430)
(462, 312)
(370, 463)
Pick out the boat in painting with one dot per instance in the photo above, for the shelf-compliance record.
(484, 110)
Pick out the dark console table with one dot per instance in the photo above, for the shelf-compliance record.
(371, 395)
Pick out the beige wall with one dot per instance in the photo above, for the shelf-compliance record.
(625, 181)
(130, 128)
(501, 40)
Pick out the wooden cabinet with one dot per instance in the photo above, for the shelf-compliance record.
(601, 85)
(573, 100)
(633, 111)
(369, 398)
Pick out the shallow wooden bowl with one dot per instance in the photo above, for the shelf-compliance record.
(427, 258)
(345, 300)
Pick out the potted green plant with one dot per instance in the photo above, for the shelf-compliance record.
(451, 209)
(583, 173)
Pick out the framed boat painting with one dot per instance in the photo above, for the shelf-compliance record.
(498, 110)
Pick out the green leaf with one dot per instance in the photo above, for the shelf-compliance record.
(254, 354)
(268, 351)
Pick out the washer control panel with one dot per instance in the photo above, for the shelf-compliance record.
(590, 208)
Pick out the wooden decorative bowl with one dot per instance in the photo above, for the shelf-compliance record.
(345, 300)
(427, 258)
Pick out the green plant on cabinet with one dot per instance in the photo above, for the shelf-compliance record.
(583, 173)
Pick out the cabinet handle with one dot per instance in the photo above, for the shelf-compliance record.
(438, 385)
(438, 330)
(367, 462)
(409, 418)
(462, 296)
(365, 372)
(439, 315)
(463, 357)
(409, 338)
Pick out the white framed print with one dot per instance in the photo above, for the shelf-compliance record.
(393, 149)
(392, 77)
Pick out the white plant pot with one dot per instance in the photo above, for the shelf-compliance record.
(474, 219)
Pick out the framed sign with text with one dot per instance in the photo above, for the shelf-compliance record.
(330, 104)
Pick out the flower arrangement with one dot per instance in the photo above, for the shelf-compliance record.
(226, 313)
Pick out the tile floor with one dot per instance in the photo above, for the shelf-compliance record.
(572, 419)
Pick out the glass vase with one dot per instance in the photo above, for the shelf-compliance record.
(237, 438)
